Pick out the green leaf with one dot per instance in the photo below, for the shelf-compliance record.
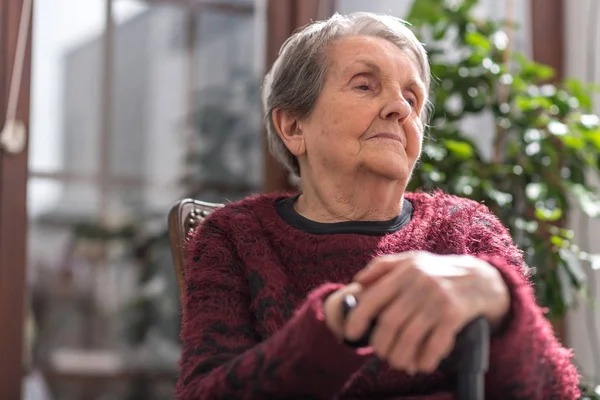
(546, 214)
(567, 233)
(557, 240)
(592, 137)
(439, 31)
(463, 150)
(476, 39)
(426, 11)
(542, 72)
(532, 71)
(581, 91)
(526, 103)
(573, 142)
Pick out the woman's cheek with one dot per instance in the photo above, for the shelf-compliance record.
(416, 130)
(415, 139)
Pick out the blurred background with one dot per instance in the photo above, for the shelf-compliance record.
(132, 105)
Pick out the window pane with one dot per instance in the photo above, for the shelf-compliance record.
(150, 103)
(64, 123)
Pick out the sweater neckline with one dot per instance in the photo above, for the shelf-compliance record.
(285, 209)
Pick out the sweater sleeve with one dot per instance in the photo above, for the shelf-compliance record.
(526, 359)
(222, 356)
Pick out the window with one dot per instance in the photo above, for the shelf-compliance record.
(134, 105)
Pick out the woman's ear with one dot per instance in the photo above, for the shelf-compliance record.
(288, 128)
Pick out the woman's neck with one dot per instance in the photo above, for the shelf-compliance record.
(353, 199)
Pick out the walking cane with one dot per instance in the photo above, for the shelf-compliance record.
(470, 353)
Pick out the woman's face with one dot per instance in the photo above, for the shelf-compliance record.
(366, 118)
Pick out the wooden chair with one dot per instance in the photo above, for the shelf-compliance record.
(183, 219)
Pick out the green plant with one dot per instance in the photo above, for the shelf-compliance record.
(545, 141)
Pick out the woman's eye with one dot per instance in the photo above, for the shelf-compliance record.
(411, 102)
(363, 87)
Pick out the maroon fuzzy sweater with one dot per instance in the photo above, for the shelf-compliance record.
(258, 272)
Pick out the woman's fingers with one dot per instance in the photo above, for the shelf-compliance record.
(415, 332)
(380, 267)
(332, 308)
(404, 351)
(375, 297)
(436, 347)
(392, 320)
(420, 301)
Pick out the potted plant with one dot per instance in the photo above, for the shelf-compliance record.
(546, 141)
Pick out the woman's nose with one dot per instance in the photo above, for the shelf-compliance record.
(396, 108)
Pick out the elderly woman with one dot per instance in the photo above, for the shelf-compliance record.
(346, 105)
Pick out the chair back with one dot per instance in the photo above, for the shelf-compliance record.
(184, 217)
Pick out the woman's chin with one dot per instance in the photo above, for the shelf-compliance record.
(392, 171)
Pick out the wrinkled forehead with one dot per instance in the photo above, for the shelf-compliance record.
(347, 53)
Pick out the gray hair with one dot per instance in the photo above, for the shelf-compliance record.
(295, 81)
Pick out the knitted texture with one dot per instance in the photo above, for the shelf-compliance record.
(252, 317)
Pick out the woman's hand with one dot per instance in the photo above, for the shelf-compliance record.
(332, 308)
(421, 302)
